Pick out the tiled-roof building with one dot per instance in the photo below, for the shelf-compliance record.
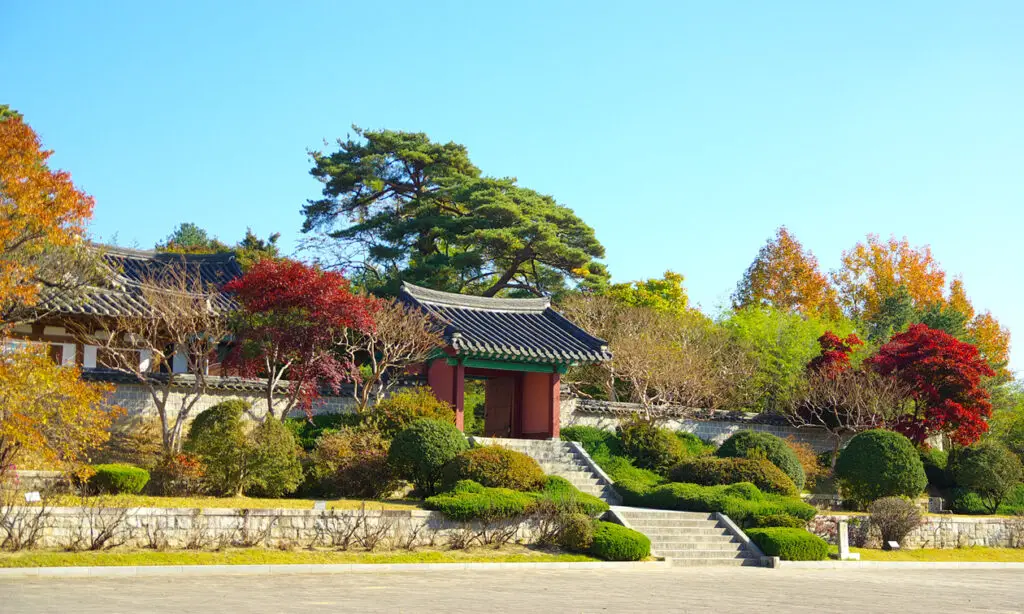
(519, 347)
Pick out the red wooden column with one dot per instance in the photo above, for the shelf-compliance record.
(458, 387)
(555, 405)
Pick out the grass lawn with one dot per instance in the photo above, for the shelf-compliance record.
(261, 556)
(944, 555)
(233, 502)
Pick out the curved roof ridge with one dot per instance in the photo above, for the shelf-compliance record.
(437, 297)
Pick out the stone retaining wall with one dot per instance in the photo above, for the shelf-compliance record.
(136, 401)
(938, 531)
(213, 528)
(709, 425)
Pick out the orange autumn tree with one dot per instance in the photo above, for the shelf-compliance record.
(40, 210)
(875, 269)
(982, 330)
(786, 277)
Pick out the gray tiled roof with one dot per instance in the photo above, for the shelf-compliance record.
(121, 292)
(526, 330)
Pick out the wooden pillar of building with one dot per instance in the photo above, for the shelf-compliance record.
(458, 388)
(554, 406)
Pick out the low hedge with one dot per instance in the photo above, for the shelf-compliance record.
(577, 533)
(744, 444)
(710, 471)
(118, 479)
(789, 544)
(564, 495)
(613, 542)
(740, 502)
(495, 467)
(471, 501)
(779, 520)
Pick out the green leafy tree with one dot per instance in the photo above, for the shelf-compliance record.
(895, 313)
(189, 238)
(1007, 423)
(252, 249)
(400, 206)
(781, 343)
(988, 469)
(664, 294)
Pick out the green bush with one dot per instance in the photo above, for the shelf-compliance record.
(598, 443)
(420, 452)
(710, 471)
(963, 501)
(988, 469)
(1014, 503)
(352, 462)
(651, 447)
(118, 479)
(273, 458)
(264, 460)
(878, 464)
(789, 544)
(180, 475)
(471, 501)
(744, 444)
(217, 436)
(308, 430)
(693, 445)
(495, 467)
(398, 411)
(564, 496)
(576, 533)
(779, 520)
(740, 502)
(613, 542)
(935, 463)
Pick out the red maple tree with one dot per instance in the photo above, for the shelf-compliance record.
(944, 377)
(835, 354)
(290, 320)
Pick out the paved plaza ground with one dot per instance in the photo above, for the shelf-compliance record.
(694, 590)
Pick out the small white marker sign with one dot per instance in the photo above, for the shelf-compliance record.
(33, 497)
(319, 506)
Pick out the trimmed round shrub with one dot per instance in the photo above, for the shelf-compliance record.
(711, 471)
(568, 499)
(471, 501)
(740, 502)
(420, 452)
(779, 520)
(693, 445)
(990, 470)
(614, 542)
(963, 501)
(879, 463)
(398, 411)
(217, 436)
(745, 444)
(651, 447)
(272, 457)
(895, 517)
(576, 533)
(935, 463)
(495, 467)
(308, 430)
(118, 479)
(352, 462)
(789, 544)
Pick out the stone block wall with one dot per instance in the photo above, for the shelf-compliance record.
(937, 531)
(137, 401)
(213, 528)
(711, 426)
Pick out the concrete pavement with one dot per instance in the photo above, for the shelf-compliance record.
(744, 590)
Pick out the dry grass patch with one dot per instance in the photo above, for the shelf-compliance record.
(244, 503)
(945, 555)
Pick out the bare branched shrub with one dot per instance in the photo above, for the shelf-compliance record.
(100, 527)
(462, 537)
(895, 518)
(498, 532)
(21, 525)
(406, 535)
(198, 535)
(254, 530)
(337, 530)
(155, 535)
(372, 534)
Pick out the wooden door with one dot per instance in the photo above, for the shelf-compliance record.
(499, 402)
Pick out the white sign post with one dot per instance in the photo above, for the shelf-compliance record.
(844, 543)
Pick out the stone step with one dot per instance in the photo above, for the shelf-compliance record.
(750, 562)
(719, 546)
(631, 512)
(704, 554)
(685, 524)
(690, 538)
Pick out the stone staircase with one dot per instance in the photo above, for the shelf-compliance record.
(689, 538)
(559, 458)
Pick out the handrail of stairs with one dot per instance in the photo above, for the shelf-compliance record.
(578, 449)
(738, 533)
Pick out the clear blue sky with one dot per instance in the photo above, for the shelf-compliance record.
(683, 132)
